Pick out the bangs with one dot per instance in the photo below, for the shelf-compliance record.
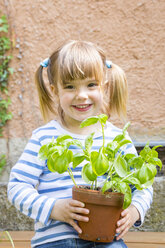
(79, 60)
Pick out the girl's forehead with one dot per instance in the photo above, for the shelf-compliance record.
(80, 80)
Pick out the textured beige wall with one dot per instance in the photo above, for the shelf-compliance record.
(131, 33)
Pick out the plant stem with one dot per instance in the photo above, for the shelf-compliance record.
(96, 184)
(129, 175)
(71, 175)
(10, 238)
(109, 174)
(102, 126)
(92, 185)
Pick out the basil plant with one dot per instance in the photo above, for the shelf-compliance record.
(120, 171)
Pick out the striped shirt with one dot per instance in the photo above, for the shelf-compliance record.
(33, 189)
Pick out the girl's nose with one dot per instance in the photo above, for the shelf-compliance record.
(81, 94)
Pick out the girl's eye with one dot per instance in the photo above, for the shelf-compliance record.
(70, 87)
(92, 84)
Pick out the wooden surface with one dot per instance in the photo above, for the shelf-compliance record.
(132, 239)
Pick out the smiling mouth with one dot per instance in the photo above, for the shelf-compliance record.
(83, 107)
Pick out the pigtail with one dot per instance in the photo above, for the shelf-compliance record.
(45, 98)
(118, 91)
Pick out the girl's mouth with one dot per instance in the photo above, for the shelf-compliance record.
(82, 108)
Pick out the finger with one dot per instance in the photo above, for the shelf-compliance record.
(75, 203)
(75, 226)
(123, 227)
(79, 217)
(122, 233)
(122, 221)
(79, 210)
(124, 213)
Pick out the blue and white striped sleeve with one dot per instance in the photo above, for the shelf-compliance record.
(141, 199)
(22, 186)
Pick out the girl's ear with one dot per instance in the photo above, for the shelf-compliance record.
(52, 89)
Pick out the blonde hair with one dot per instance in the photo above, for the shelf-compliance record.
(79, 60)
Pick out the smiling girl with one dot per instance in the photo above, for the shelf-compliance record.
(83, 83)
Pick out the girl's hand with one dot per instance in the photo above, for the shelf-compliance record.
(129, 217)
(69, 210)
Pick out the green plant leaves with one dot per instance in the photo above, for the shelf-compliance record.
(136, 162)
(107, 185)
(87, 173)
(2, 162)
(147, 173)
(43, 152)
(120, 166)
(103, 118)
(5, 71)
(94, 119)
(99, 161)
(58, 163)
(119, 170)
(89, 143)
(155, 161)
(125, 128)
(124, 188)
(63, 137)
(77, 159)
(89, 121)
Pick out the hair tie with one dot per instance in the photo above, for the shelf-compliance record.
(108, 63)
(45, 62)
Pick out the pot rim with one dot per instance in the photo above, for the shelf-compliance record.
(97, 197)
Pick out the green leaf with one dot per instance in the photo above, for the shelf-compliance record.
(100, 163)
(89, 143)
(108, 185)
(134, 181)
(69, 143)
(126, 190)
(55, 148)
(63, 137)
(121, 166)
(128, 157)
(151, 154)
(50, 164)
(155, 161)
(125, 128)
(110, 153)
(58, 163)
(113, 145)
(2, 162)
(87, 173)
(122, 143)
(119, 137)
(3, 19)
(89, 121)
(77, 159)
(103, 118)
(136, 162)
(4, 28)
(155, 147)
(148, 184)
(69, 155)
(11, 70)
(147, 173)
(145, 151)
(43, 152)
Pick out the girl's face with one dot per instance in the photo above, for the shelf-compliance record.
(80, 99)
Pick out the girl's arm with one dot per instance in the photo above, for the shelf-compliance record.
(22, 186)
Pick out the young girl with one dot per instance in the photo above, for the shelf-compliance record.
(82, 84)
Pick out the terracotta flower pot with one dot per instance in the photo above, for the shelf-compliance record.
(104, 213)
